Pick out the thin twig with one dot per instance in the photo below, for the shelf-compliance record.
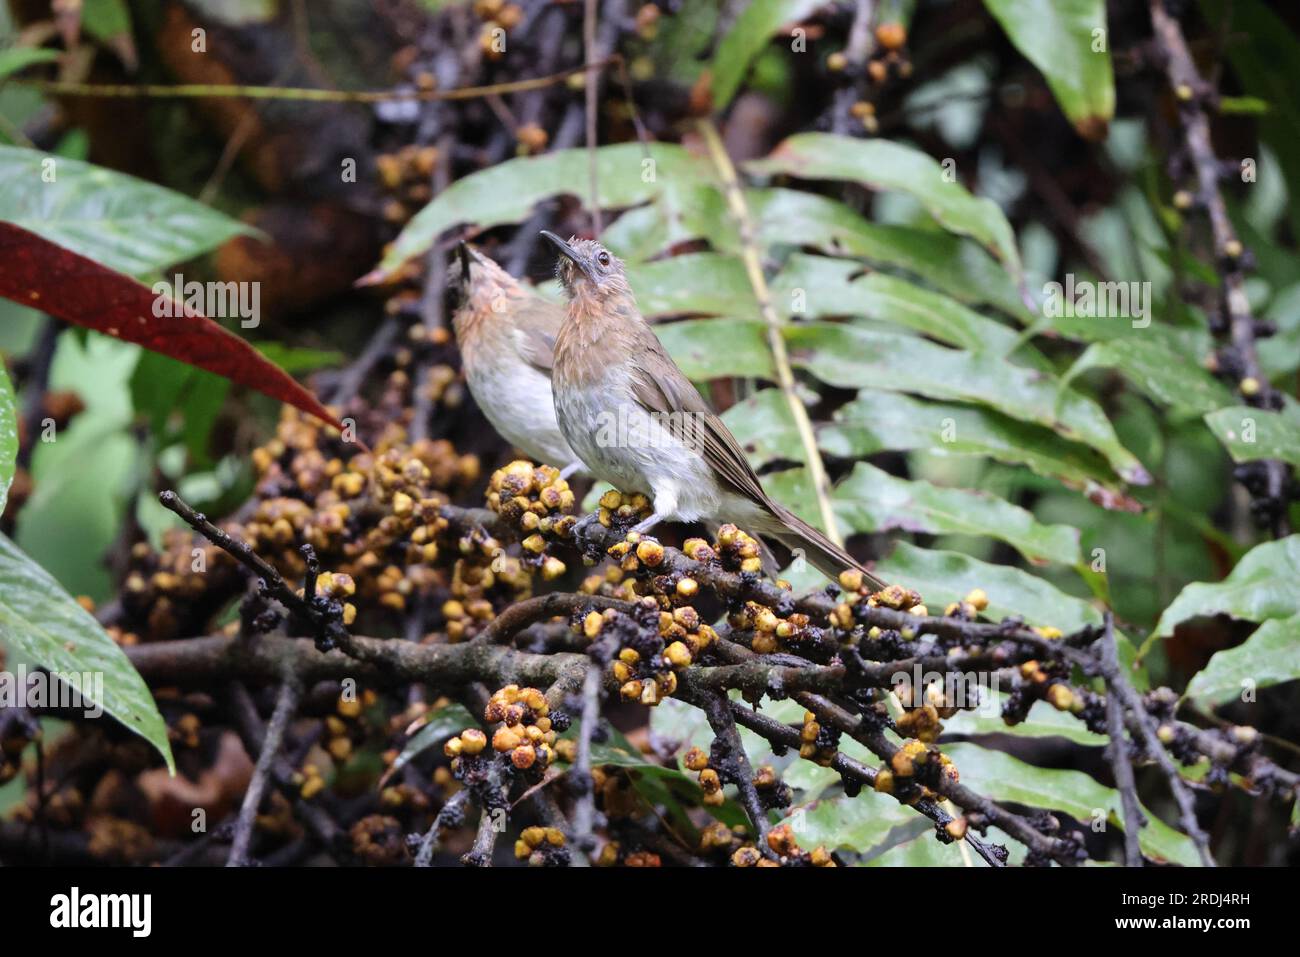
(584, 807)
(428, 847)
(717, 709)
(591, 88)
(1190, 90)
(1118, 752)
(223, 90)
(285, 705)
(776, 341)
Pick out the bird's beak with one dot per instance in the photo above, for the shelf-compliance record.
(568, 252)
(463, 249)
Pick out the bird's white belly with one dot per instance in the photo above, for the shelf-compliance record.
(628, 447)
(517, 401)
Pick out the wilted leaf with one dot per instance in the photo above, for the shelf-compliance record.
(41, 622)
(119, 221)
(1061, 39)
(1270, 656)
(1250, 434)
(1264, 584)
(76, 289)
(754, 26)
(1004, 778)
(872, 500)
(851, 357)
(886, 165)
(882, 421)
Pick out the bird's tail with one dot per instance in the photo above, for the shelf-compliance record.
(825, 555)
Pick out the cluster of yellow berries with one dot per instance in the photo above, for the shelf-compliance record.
(357, 509)
(912, 768)
(645, 665)
(781, 841)
(737, 550)
(498, 18)
(697, 760)
(537, 845)
(1050, 685)
(526, 734)
(613, 854)
(482, 572)
(771, 632)
(617, 508)
(924, 712)
(816, 742)
(406, 175)
(535, 500)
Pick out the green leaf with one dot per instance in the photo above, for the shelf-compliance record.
(714, 348)
(945, 577)
(693, 284)
(8, 436)
(850, 357)
(1243, 105)
(1265, 584)
(1250, 434)
(296, 359)
(764, 427)
(757, 22)
(1004, 778)
(627, 175)
(872, 500)
(959, 267)
(816, 287)
(1043, 721)
(441, 724)
(1059, 38)
(885, 421)
(1268, 657)
(105, 19)
(15, 59)
(862, 824)
(41, 622)
(1160, 373)
(886, 165)
(117, 220)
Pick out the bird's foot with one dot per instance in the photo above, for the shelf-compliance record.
(586, 535)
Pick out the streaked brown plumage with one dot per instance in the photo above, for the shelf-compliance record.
(637, 422)
(507, 336)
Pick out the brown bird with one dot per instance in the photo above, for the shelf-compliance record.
(635, 420)
(507, 336)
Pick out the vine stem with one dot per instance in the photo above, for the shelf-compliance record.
(776, 342)
(219, 90)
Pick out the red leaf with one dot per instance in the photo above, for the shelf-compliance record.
(45, 276)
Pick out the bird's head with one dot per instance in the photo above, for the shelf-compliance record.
(586, 268)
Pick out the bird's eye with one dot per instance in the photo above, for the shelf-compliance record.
(603, 259)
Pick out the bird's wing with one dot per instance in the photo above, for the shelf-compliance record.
(539, 324)
(661, 387)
